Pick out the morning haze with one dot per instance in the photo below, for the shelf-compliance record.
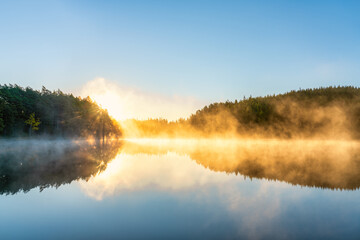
(179, 120)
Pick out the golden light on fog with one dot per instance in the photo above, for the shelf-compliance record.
(165, 172)
(178, 164)
(113, 103)
(125, 102)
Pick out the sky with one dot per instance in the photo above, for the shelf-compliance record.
(205, 51)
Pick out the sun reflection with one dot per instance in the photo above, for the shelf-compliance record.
(135, 172)
(178, 164)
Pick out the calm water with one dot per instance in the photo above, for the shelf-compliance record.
(193, 189)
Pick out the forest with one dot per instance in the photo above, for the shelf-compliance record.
(28, 112)
(332, 112)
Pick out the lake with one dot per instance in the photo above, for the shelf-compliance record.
(180, 189)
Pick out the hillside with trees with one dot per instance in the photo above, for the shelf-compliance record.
(28, 112)
(332, 112)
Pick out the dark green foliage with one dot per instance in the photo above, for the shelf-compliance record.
(330, 113)
(60, 114)
(303, 113)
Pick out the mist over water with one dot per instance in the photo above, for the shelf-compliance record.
(262, 168)
(314, 163)
(179, 120)
(224, 187)
(27, 164)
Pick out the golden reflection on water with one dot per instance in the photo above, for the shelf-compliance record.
(136, 172)
(179, 164)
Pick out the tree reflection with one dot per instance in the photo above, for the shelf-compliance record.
(25, 165)
(323, 164)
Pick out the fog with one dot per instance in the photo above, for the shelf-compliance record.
(28, 164)
(125, 102)
(281, 117)
(314, 163)
(175, 164)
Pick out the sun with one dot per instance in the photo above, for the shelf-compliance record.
(108, 96)
(112, 102)
(125, 103)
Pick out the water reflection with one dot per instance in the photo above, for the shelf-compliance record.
(325, 164)
(168, 172)
(175, 165)
(182, 189)
(27, 164)
(184, 164)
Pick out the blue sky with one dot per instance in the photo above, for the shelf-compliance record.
(211, 50)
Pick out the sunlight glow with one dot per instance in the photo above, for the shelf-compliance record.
(125, 103)
(141, 171)
(176, 165)
(111, 102)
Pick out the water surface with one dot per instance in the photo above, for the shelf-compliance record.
(211, 189)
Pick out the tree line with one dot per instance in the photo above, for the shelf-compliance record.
(24, 111)
(319, 112)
